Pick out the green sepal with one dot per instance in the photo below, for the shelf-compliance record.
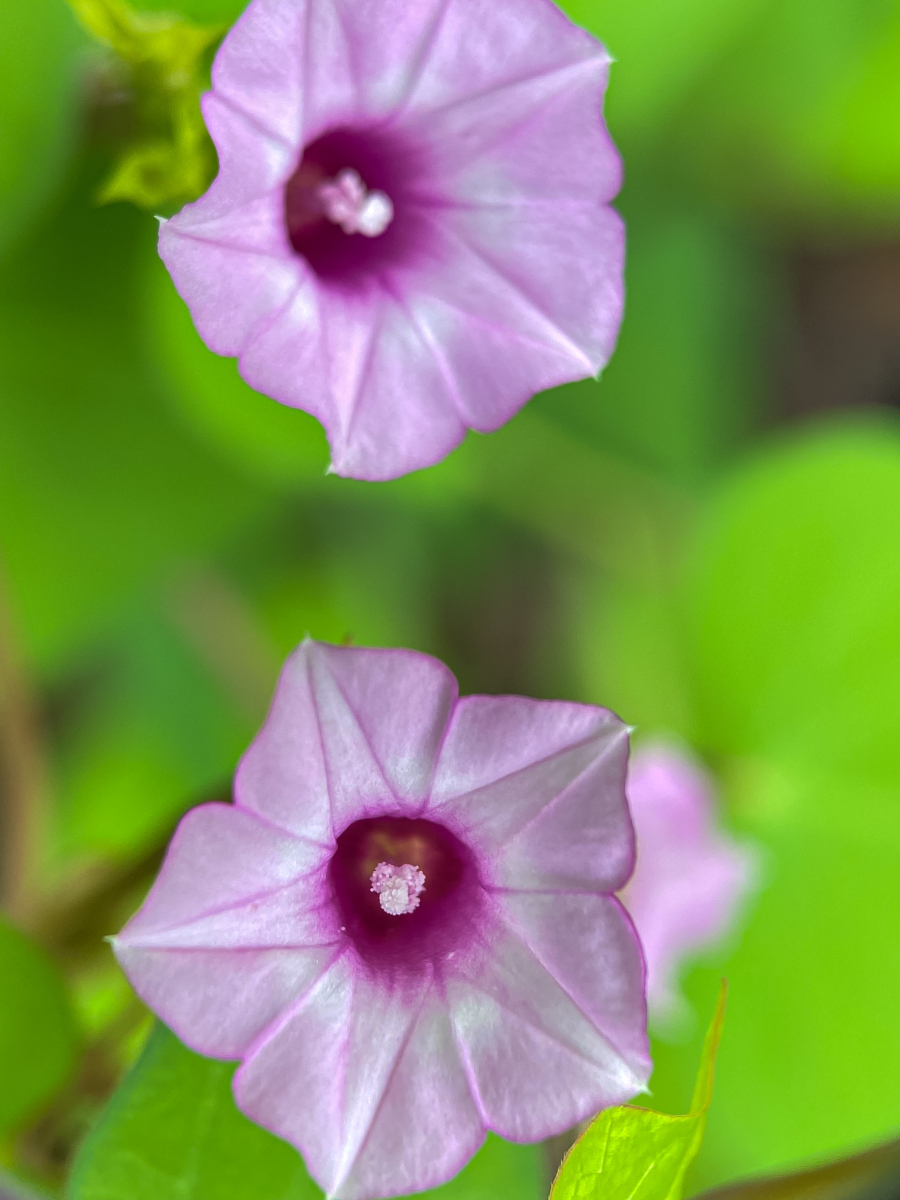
(165, 156)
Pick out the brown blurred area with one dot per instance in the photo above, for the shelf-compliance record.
(843, 349)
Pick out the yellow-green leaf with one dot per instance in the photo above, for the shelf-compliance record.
(632, 1153)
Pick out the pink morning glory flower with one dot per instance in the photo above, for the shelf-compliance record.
(405, 925)
(690, 876)
(410, 232)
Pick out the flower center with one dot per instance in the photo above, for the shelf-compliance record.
(378, 874)
(346, 202)
(398, 888)
(347, 210)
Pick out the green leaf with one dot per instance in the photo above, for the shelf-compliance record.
(172, 1132)
(796, 590)
(168, 157)
(38, 1039)
(633, 1154)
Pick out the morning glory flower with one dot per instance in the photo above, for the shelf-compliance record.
(405, 924)
(410, 232)
(690, 877)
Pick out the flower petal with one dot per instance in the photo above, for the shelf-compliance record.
(690, 876)
(220, 1001)
(221, 858)
(359, 363)
(283, 774)
(231, 287)
(301, 67)
(514, 42)
(365, 1079)
(554, 279)
(287, 358)
(505, 758)
(352, 733)
(499, 336)
(398, 382)
(293, 917)
(523, 1035)
(517, 196)
(589, 945)
(402, 701)
(539, 140)
(252, 163)
(389, 43)
(583, 839)
(259, 68)
(233, 929)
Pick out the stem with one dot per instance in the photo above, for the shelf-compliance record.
(22, 778)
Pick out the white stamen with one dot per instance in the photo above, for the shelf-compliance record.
(398, 888)
(348, 203)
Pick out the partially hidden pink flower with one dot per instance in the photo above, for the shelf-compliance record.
(690, 877)
(409, 234)
(405, 925)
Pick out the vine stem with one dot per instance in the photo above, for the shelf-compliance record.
(23, 778)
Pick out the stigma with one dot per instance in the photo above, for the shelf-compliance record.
(347, 202)
(398, 888)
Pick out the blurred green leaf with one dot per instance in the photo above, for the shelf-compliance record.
(634, 1154)
(796, 594)
(686, 382)
(101, 489)
(168, 156)
(282, 445)
(631, 651)
(40, 46)
(809, 1068)
(158, 733)
(499, 1171)
(38, 1040)
(799, 117)
(856, 133)
(660, 47)
(794, 648)
(172, 1132)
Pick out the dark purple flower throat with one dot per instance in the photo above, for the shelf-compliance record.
(447, 905)
(346, 205)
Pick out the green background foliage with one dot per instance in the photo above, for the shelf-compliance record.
(706, 540)
(38, 1033)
